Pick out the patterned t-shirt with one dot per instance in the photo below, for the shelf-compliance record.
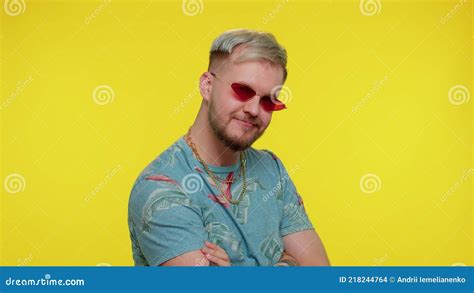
(173, 208)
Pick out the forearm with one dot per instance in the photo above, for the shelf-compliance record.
(307, 248)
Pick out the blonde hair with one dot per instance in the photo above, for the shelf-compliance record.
(259, 45)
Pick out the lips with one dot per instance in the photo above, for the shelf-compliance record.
(246, 123)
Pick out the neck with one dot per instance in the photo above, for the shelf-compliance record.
(209, 147)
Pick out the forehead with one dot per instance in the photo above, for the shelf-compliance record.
(262, 76)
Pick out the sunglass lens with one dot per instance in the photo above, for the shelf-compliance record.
(243, 92)
(269, 105)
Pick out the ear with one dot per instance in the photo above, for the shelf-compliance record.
(205, 85)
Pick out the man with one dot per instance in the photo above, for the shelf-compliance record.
(212, 199)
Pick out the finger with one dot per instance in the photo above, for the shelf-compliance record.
(216, 253)
(211, 245)
(218, 261)
(214, 246)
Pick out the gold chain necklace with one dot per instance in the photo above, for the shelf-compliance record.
(243, 163)
(216, 177)
(229, 181)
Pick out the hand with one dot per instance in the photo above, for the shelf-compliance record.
(215, 254)
(286, 260)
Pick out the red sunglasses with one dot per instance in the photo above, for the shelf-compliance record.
(244, 93)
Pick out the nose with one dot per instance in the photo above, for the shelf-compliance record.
(252, 106)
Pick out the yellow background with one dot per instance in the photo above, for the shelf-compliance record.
(368, 94)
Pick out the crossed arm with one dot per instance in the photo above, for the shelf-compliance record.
(302, 248)
(306, 248)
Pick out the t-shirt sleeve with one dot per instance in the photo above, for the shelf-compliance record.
(170, 224)
(294, 217)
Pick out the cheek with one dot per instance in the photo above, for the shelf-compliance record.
(266, 118)
(222, 104)
(227, 106)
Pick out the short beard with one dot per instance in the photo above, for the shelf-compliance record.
(219, 130)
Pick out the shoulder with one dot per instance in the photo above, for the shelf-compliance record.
(267, 157)
(161, 179)
(261, 154)
(169, 161)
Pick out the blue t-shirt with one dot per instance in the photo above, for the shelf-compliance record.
(173, 208)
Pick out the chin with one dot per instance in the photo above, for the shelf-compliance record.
(243, 139)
